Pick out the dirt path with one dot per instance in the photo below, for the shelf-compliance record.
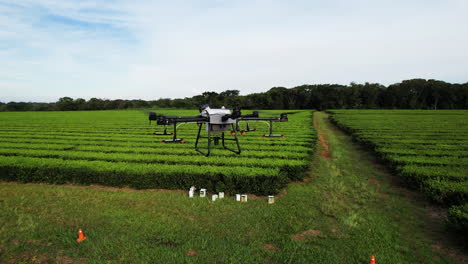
(324, 150)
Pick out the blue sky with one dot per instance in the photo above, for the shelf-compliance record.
(172, 49)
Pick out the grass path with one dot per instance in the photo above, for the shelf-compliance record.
(344, 213)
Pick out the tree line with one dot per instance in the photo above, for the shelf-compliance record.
(408, 94)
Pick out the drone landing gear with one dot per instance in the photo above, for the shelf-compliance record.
(247, 129)
(174, 136)
(271, 135)
(177, 140)
(162, 133)
(216, 139)
(243, 131)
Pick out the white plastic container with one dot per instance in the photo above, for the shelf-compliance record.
(238, 197)
(202, 192)
(214, 197)
(271, 199)
(191, 192)
(221, 195)
(244, 198)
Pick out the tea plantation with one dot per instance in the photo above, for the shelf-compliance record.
(345, 212)
(117, 148)
(427, 149)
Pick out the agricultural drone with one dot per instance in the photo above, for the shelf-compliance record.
(216, 121)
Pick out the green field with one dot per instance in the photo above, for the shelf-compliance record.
(346, 211)
(116, 148)
(427, 149)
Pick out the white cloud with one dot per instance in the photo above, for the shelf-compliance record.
(147, 49)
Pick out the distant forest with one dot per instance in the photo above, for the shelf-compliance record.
(409, 94)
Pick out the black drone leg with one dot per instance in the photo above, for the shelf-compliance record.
(238, 151)
(237, 128)
(242, 132)
(198, 137)
(209, 141)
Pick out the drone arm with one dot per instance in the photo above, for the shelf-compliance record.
(244, 118)
(185, 119)
(254, 117)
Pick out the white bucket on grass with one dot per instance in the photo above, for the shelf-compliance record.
(271, 199)
(244, 198)
(202, 192)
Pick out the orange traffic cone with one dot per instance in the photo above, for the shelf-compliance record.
(81, 236)
(372, 260)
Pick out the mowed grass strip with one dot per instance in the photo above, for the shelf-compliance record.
(425, 138)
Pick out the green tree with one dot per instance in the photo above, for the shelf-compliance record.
(229, 98)
(66, 104)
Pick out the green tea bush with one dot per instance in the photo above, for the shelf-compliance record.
(119, 174)
(446, 192)
(458, 219)
(89, 148)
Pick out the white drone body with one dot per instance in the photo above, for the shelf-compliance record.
(216, 123)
